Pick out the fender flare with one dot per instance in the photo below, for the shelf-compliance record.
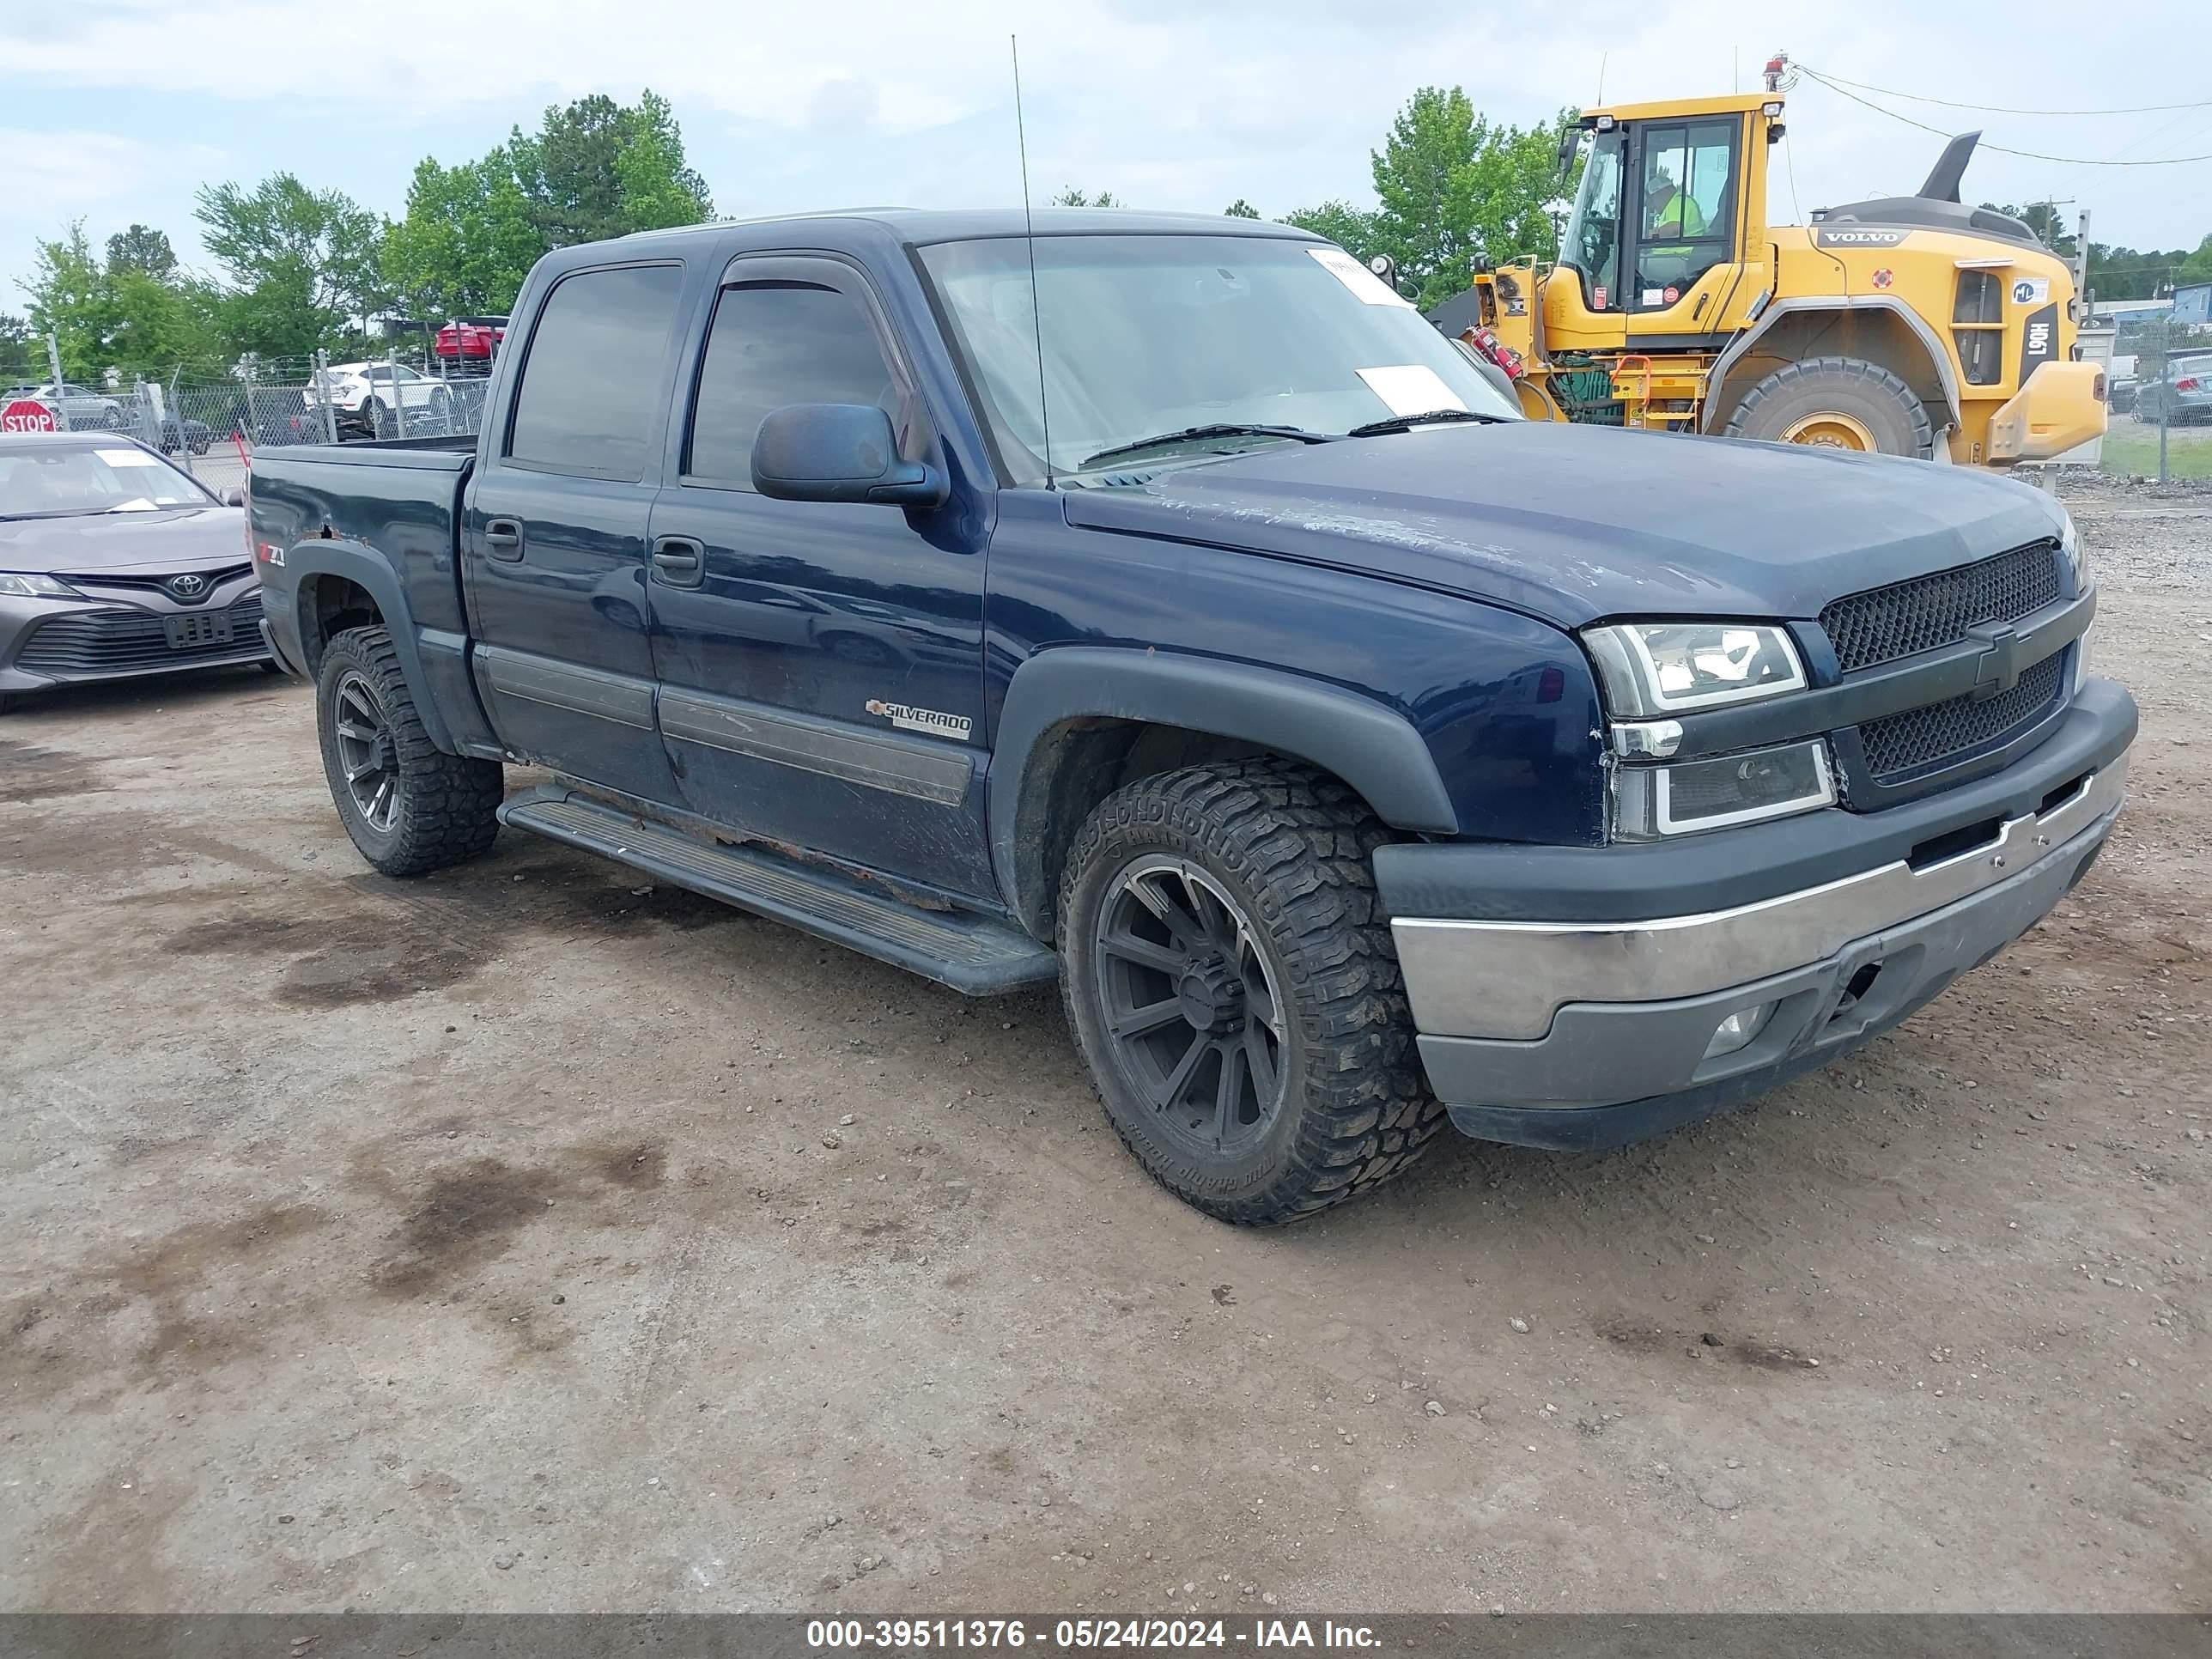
(364, 567)
(1372, 747)
(1915, 324)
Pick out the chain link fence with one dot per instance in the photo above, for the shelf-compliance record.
(211, 420)
(2160, 387)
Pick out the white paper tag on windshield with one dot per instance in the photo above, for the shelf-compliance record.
(1356, 276)
(1411, 388)
(128, 457)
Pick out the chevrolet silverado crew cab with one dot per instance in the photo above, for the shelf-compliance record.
(1159, 605)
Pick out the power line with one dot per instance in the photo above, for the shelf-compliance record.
(2000, 109)
(2002, 149)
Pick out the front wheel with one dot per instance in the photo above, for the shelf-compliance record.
(409, 807)
(1231, 983)
(1835, 403)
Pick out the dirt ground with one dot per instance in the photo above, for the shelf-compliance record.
(527, 1237)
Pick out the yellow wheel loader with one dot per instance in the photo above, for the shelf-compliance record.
(1910, 325)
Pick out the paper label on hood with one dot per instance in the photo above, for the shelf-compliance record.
(1356, 276)
(1411, 388)
(128, 457)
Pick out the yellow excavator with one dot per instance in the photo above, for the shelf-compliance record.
(1907, 325)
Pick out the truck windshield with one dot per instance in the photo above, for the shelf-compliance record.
(57, 481)
(1591, 241)
(1151, 335)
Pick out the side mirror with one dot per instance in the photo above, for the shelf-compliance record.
(234, 498)
(839, 453)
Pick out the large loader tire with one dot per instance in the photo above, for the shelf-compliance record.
(1835, 403)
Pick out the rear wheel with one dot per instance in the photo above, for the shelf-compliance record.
(1835, 403)
(409, 807)
(1231, 983)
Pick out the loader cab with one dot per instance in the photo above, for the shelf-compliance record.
(1666, 243)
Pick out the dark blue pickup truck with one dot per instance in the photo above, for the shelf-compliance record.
(1159, 605)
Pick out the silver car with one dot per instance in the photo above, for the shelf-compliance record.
(77, 407)
(2181, 395)
(113, 564)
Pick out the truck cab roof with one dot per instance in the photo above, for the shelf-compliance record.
(919, 227)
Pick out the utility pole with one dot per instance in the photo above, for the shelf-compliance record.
(2081, 265)
(61, 397)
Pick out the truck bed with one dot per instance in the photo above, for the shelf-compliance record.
(400, 500)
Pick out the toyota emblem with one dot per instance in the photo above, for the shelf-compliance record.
(188, 586)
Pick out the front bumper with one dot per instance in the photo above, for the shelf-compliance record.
(49, 643)
(1549, 1032)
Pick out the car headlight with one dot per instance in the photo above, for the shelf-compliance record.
(1669, 668)
(16, 586)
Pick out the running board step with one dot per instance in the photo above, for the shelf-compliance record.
(970, 953)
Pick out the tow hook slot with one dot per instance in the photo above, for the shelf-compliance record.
(1856, 989)
(1966, 838)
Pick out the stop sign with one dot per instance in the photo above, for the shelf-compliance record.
(25, 415)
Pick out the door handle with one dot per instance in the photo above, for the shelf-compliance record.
(679, 561)
(503, 539)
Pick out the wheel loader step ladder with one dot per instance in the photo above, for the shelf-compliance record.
(971, 953)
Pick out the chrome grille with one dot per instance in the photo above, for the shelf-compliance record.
(155, 584)
(1884, 623)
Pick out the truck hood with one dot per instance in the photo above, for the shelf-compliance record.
(1578, 523)
(149, 544)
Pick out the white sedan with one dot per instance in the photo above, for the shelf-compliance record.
(365, 395)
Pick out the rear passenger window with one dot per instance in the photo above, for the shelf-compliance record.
(596, 373)
(773, 344)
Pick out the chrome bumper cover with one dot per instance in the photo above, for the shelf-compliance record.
(1509, 980)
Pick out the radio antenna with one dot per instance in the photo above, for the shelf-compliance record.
(1028, 226)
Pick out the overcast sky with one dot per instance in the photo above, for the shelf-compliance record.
(116, 110)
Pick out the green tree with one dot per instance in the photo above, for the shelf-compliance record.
(301, 263)
(1240, 209)
(141, 248)
(2198, 267)
(592, 170)
(659, 188)
(106, 317)
(14, 350)
(1074, 197)
(1451, 185)
(598, 169)
(467, 240)
(1348, 226)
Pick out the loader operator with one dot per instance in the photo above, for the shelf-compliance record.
(1670, 211)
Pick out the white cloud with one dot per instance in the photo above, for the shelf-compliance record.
(1185, 107)
(58, 176)
(105, 178)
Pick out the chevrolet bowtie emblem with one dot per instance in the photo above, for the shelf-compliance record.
(1997, 668)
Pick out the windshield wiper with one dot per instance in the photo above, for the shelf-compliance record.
(1430, 417)
(1200, 434)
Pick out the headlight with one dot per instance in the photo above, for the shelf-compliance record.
(1652, 801)
(1669, 668)
(35, 588)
